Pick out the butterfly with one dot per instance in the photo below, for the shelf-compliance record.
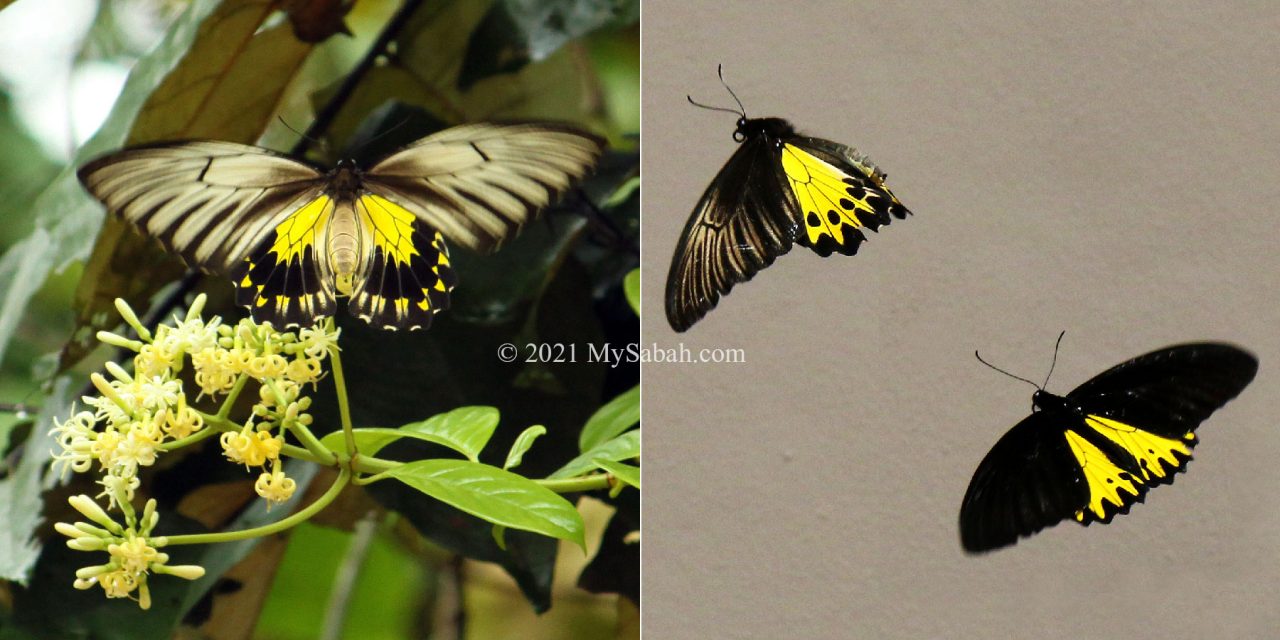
(778, 188)
(294, 237)
(1096, 451)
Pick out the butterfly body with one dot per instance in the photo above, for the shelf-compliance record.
(779, 188)
(294, 237)
(344, 233)
(1095, 452)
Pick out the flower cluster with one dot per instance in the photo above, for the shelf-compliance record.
(133, 552)
(138, 415)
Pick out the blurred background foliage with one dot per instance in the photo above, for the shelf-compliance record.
(82, 77)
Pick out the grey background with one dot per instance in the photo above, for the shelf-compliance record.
(1111, 169)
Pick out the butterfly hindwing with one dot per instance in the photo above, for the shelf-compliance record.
(409, 276)
(839, 193)
(745, 219)
(286, 279)
(1115, 437)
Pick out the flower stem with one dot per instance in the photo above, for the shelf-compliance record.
(189, 440)
(344, 476)
(225, 409)
(309, 440)
(344, 410)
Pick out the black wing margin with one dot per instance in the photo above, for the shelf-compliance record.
(1028, 481)
(743, 222)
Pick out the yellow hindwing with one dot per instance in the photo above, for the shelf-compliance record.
(1156, 454)
(830, 200)
(1105, 479)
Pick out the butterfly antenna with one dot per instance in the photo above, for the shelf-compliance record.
(975, 354)
(1055, 359)
(741, 110)
(720, 72)
(707, 106)
(302, 135)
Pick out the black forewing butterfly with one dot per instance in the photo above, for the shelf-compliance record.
(778, 188)
(293, 237)
(1093, 453)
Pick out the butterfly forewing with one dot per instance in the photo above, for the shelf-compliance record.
(1026, 483)
(742, 223)
(479, 183)
(1171, 391)
(202, 200)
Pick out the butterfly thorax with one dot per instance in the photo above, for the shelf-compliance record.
(775, 129)
(344, 243)
(1042, 400)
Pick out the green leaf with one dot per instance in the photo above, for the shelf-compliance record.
(369, 440)
(20, 492)
(616, 416)
(522, 444)
(622, 194)
(498, 496)
(631, 285)
(628, 474)
(465, 429)
(623, 447)
(500, 536)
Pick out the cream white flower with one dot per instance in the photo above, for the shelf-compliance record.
(132, 553)
(275, 486)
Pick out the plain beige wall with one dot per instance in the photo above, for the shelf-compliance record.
(1107, 168)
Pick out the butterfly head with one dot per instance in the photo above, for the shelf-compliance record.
(1042, 400)
(345, 177)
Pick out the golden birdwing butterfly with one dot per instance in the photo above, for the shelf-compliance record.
(778, 188)
(293, 237)
(1096, 451)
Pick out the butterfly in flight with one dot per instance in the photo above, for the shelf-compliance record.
(294, 237)
(1095, 452)
(778, 188)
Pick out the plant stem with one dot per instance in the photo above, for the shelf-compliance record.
(330, 111)
(189, 440)
(344, 476)
(575, 485)
(225, 409)
(344, 410)
(313, 445)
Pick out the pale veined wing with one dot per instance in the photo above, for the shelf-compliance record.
(479, 183)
